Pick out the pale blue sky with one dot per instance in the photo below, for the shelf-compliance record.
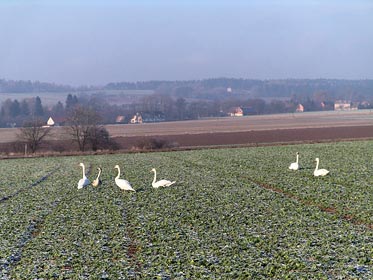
(97, 42)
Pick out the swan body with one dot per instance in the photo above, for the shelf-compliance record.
(121, 183)
(84, 181)
(319, 172)
(295, 165)
(161, 183)
(96, 182)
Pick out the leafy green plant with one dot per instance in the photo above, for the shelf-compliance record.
(233, 214)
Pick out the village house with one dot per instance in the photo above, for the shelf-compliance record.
(300, 108)
(57, 121)
(235, 112)
(136, 118)
(50, 122)
(341, 105)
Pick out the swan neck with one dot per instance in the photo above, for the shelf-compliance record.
(155, 176)
(297, 158)
(118, 173)
(317, 165)
(83, 170)
(99, 173)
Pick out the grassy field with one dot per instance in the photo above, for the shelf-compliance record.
(232, 214)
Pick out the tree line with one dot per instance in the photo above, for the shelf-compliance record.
(159, 106)
(85, 115)
(84, 125)
(338, 88)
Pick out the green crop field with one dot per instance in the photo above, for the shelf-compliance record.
(232, 214)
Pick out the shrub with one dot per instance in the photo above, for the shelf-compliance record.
(154, 144)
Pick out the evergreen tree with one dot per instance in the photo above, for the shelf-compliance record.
(58, 109)
(15, 109)
(6, 108)
(71, 102)
(25, 109)
(38, 109)
(75, 100)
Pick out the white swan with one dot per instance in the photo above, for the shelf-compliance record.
(160, 183)
(96, 182)
(295, 165)
(319, 172)
(84, 181)
(121, 183)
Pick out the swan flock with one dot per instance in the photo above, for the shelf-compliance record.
(317, 172)
(121, 183)
(126, 186)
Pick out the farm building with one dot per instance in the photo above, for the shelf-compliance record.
(300, 108)
(235, 112)
(136, 118)
(55, 121)
(50, 122)
(241, 111)
(341, 105)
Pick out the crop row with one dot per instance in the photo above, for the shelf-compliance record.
(219, 221)
(19, 174)
(348, 190)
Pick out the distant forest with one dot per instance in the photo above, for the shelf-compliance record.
(182, 100)
(353, 90)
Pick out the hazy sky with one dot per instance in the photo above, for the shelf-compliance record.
(95, 42)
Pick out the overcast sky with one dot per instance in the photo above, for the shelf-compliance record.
(95, 42)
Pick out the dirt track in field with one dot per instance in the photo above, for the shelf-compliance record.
(253, 130)
(249, 130)
(247, 123)
(298, 135)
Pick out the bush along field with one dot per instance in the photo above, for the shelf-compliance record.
(232, 214)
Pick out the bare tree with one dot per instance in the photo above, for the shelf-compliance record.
(33, 133)
(83, 123)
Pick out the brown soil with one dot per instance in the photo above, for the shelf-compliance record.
(259, 137)
(214, 139)
(249, 130)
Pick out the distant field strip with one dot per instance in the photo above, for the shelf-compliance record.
(247, 123)
(327, 119)
(232, 214)
(52, 98)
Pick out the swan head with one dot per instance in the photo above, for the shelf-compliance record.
(317, 159)
(99, 169)
(153, 170)
(81, 164)
(117, 166)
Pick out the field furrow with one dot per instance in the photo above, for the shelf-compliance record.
(18, 175)
(232, 214)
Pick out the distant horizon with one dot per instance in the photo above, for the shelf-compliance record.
(180, 80)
